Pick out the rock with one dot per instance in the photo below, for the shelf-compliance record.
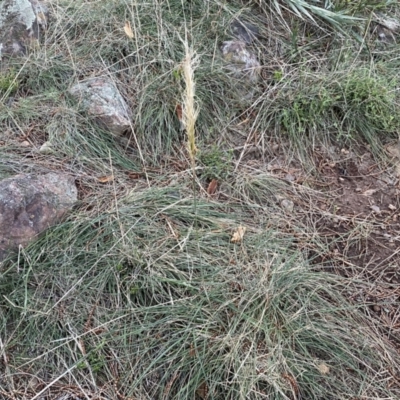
(240, 60)
(375, 209)
(30, 204)
(384, 34)
(385, 29)
(389, 23)
(104, 103)
(244, 31)
(21, 22)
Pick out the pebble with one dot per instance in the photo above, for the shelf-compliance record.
(376, 209)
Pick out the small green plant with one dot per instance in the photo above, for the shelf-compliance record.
(8, 83)
(373, 98)
(359, 102)
(95, 359)
(278, 75)
(308, 109)
(217, 163)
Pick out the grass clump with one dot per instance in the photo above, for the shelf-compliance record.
(371, 99)
(153, 308)
(335, 106)
(8, 83)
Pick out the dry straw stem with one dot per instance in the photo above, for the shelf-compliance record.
(190, 110)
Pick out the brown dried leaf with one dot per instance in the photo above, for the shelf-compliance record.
(202, 391)
(128, 30)
(238, 234)
(134, 175)
(178, 110)
(105, 179)
(212, 187)
(98, 331)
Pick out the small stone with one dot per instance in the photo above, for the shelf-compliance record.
(25, 143)
(390, 23)
(375, 209)
(240, 60)
(290, 178)
(104, 103)
(385, 35)
(391, 207)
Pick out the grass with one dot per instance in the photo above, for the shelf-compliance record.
(248, 320)
(141, 293)
(360, 102)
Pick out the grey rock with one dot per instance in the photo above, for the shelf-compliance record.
(385, 29)
(240, 60)
(375, 209)
(244, 31)
(30, 204)
(383, 34)
(389, 23)
(21, 22)
(102, 100)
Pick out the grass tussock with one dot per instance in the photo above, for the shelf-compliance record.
(141, 304)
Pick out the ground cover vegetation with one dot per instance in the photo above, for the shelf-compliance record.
(189, 270)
